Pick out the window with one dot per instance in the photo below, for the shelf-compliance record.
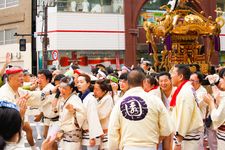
(8, 3)
(151, 11)
(1, 37)
(2, 3)
(7, 36)
(91, 6)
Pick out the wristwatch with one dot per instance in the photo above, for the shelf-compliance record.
(178, 143)
(213, 84)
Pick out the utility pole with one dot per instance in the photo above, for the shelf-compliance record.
(45, 38)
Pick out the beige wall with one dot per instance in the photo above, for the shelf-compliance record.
(17, 17)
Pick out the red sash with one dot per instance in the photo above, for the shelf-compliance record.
(222, 128)
(174, 97)
(155, 87)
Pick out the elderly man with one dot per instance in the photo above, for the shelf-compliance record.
(185, 111)
(138, 120)
(12, 92)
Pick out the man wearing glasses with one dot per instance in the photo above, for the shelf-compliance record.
(196, 81)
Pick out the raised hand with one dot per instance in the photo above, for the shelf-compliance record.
(7, 58)
(59, 136)
(114, 87)
(70, 108)
(208, 99)
(22, 103)
(54, 102)
(48, 143)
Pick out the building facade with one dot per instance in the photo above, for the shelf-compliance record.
(84, 33)
(88, 32)
(15, 17)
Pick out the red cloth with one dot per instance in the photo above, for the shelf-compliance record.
(13, 70)
(77, 72)
(155, 87)
(174, 97)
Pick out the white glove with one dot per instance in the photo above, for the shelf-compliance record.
(213, 78)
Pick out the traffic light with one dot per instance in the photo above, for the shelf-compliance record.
(22, 44)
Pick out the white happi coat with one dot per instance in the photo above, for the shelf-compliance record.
(66, 119)
(138, 120)
(92, 122)
(187, 117)
(104, 108)
(200, 92)
(158, 93)
(218, 119)
(7, 93)
(46, 107)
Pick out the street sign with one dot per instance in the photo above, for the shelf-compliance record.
(55, 55)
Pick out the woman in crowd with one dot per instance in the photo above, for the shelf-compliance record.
(71, 115)
(10, 126)
(150, 83)
(123, 84)
(105, 105)
(92, 129)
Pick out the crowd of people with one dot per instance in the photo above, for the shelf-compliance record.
(130, 109)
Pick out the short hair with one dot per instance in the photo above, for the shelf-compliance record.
(109, 70)
(123, 76)
(69, 81)
(47, 74)
(222, 73)
(138, 68)
(104, 84)
(151, 80)
(184, 70)
(58, 77)
(86, 77)
(199, 76)
(94, 71)
(11, 123)
(135, 78)
(164, 74)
